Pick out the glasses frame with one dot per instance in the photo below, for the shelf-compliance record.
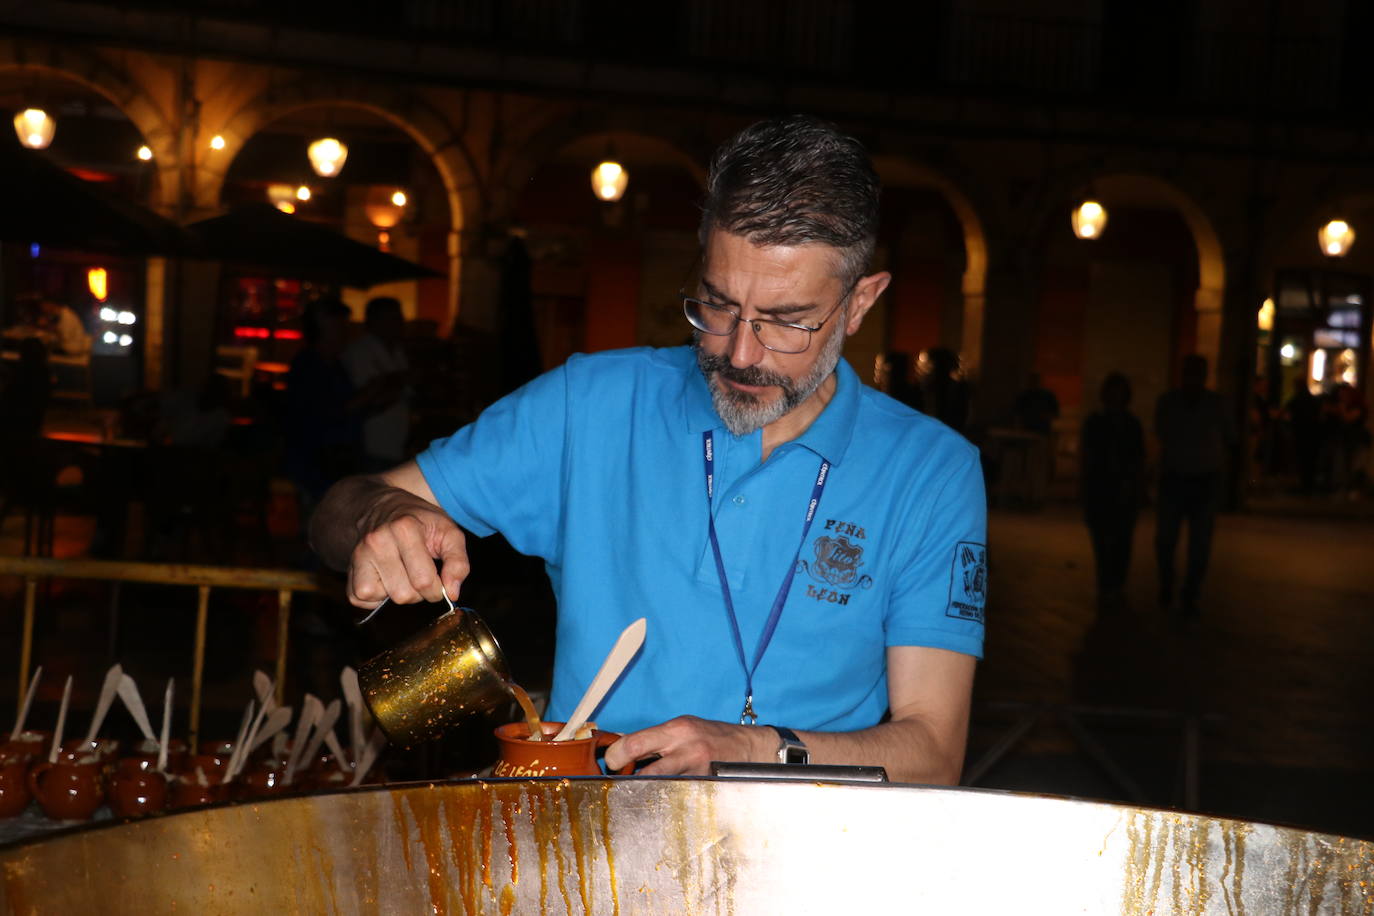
(755, 323)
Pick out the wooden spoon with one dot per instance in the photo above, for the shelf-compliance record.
(621, 653)
(238, 751)
(353, 696)
(324, 727)
(375, 743)
(107, 695)
(28, 702)
(263, 687)
(311, 708)
(128, 692)
(278, 720)
(61, 721)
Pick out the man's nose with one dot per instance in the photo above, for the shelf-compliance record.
(745, 349)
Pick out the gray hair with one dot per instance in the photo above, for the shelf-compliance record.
(795, 180)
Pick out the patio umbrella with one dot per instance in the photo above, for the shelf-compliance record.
(261, 237)
(45, 203)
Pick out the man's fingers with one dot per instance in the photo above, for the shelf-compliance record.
(453, 560)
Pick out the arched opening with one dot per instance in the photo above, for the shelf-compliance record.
(1136, 300)
(97, 141)
(1315, 333)
(604, 275)
(360, 201)
(933, 242)
(429, 131)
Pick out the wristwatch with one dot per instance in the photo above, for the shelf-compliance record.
(791, 749)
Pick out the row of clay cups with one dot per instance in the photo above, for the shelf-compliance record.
(88, 774)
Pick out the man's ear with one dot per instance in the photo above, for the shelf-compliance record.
(866, 292)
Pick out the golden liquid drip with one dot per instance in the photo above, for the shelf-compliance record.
(531, 717)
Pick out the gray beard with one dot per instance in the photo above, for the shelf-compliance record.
(743, 413)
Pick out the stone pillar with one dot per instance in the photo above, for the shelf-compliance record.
(194, 332)
(1008, 315)
(480, 279)
(154, 331)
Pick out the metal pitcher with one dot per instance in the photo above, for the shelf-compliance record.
(447, 672)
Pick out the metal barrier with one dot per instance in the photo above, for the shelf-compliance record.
(204, 578)
(1031, 715)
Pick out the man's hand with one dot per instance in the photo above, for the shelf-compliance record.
(687, 745)
(388, 531)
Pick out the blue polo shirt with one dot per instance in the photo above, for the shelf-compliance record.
(597, 468)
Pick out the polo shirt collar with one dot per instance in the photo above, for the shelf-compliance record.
(828, 435)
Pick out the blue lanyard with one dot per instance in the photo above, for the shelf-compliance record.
(773, 616)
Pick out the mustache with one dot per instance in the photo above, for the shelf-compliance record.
(749, 375)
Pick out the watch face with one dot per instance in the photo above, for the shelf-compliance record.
(796, 755)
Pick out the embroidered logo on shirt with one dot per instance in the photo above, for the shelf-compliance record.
(837, 564)
(968, 581)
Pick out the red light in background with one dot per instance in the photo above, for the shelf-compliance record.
(264, 333)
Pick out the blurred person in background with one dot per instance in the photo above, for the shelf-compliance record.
(944, 395)
(1196, 434)
(379, 370)
(1112, 455)
(324, 414)
(65, 331)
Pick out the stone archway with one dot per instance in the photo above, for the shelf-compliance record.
(901, 171)
(628, 257)
(1134, 184)
(120, 88)
(430, 130)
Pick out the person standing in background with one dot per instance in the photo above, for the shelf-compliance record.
(377, 366)
(1196, 433)
(68, 335)
(1112, 453)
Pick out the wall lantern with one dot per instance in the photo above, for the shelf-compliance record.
(1265, 319)
(217, 142)
(327, 156)
(609, 180)
(98, 281)
(384, 208)
(1336, 237)
(282, 196)
(35, 128)
(1089, 219)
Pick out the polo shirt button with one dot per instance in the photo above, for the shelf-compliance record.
(739, 500)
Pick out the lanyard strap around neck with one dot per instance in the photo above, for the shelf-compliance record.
(771, 624)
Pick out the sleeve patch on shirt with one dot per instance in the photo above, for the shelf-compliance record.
(968, 581)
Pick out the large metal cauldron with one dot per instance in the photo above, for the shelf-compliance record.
(718, 846)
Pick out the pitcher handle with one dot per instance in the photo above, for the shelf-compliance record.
(605, 740)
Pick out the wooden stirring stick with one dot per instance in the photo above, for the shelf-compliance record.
(621, 653)
(28, 702)
(166, 728)
(61, 721)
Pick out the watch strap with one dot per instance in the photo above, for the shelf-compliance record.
(791, 749)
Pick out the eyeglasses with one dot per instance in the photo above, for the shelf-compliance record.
(772, 333)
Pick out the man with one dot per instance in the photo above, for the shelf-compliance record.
(65, 330)
(604, 466)
(1196, 434)
(377, 364)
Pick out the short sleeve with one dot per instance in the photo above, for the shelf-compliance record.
(942, 580)
(503, 472)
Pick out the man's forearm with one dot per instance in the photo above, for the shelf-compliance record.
(352, 507)
(908, 749)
